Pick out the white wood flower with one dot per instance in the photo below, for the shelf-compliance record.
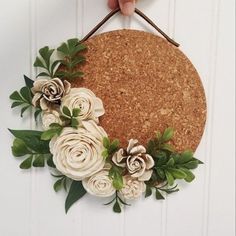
(77, 153)
(49, 118)
(49, 92)
(91, 106)
(133, 188)
(99, 184)
(135, 160)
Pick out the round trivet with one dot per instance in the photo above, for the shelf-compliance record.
(146, 84)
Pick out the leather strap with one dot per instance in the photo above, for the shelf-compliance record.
(141, 14)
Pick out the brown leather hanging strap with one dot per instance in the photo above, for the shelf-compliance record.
(141, 14)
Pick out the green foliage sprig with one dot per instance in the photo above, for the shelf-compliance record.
(117, 203)
(44, 62)
(71, 117)
(169, 164)
(23, 98)
(28, 143)
(71, 58)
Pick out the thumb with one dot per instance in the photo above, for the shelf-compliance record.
(127, 7)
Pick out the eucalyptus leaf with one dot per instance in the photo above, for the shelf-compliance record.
(76, 192)
(27, 163)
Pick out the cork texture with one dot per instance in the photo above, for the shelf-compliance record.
(146, 84)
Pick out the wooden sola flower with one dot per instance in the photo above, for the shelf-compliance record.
(78, 145)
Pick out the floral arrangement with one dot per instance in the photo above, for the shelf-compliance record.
(78, 151)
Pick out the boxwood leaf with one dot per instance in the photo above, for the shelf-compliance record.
(19, 148)
(159, 196)
(76, 192)
(116, 207)
(169, 178)
(58, 184)
(177, 173)
(27, 163)
(39, 161)
(167, 135)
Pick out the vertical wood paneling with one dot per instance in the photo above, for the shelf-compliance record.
(221, 200)
(205, 30)
(14, 60)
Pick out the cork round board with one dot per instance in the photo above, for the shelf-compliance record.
(146, 84)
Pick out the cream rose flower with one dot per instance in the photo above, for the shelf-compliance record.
(77, 153)
(48, 92)
(49, 118)
(136, 161)
(133, 188)
(99, 184)
(91, 106)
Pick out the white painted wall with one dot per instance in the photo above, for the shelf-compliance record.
(205, 30)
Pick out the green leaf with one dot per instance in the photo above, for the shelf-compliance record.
(189, 175)
(28, 82)
(75, 112)
(66, 111)
(177, 173)
(76, 192)
(26, 94)
(74, 123)
(77, 74)
(46, 53)
(39, 161)
(23, 110)
(105, 154)
(49, 134)
(168, 134)
(167, 147)
(161, 173)
(37, 113)
(45, 74)
(171, 162)
(32, 139)
(116, 207)
(63, 49)
(58, 184)
(16, 96)
(19, 148)
(191, 165)
(16, 104)
(114, 146)
(185, 156)
(39, 63)
(106, 142)
(117, 181)
(169, 177)
(50, 162)
(148, 192)
(27, 163)
(159, 196)
(54, 65)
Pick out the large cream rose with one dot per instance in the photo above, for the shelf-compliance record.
(135, 160)
(77, 153)
(49, 92)
(99, 184)
(91, 106)
(49, 118)
(133, 188)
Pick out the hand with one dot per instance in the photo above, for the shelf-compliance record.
(127, 6)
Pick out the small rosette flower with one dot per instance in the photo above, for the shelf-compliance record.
(99, 184)
(133, 188)
(135, 159)
(49, 118)
(49, 92)
(91, 107)
(77, 153)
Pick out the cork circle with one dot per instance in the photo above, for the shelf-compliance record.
(146, 84)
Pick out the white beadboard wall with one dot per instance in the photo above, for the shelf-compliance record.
(206, 31)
